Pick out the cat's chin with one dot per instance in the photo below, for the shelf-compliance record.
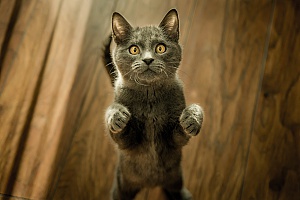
(149, 77)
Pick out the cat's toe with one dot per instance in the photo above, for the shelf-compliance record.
(191, 119)
(118, 120)
(191, 126)
(117, 125)
(194, 130)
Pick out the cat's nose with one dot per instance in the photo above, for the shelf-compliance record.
(148, 61)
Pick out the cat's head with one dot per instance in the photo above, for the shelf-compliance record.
(147, 55)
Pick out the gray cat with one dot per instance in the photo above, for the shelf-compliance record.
(148, 120)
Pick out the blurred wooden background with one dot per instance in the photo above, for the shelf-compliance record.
(241, 62)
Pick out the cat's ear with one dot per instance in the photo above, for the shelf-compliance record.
(170, 24)
(121, 28)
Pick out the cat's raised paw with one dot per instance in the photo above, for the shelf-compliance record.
(191, 119)
(117, 117)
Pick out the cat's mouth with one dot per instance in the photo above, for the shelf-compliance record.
(153, 69)
(149, 71)
(148, 75)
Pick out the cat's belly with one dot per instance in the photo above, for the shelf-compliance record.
(153, 161)
(151, 168)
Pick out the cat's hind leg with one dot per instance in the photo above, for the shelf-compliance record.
(175, 191)
(123, 190)
(183, 194)
(123, 193)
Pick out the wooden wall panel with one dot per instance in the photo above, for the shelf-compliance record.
(273, 170)
(46, 128)
(91, 156)
(54, 91)
(43, 83)
(8, 11)
(222, 65)
(19, 82)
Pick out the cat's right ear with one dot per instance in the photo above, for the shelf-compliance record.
(170, 24)
(120, 27)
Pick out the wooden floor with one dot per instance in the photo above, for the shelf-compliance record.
(241, 62)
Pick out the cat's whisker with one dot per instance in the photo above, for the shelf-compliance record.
(166, 73)
(130, 78)
(173, 67)
(170, 72)
(133, 68)
(178, 69)
(127, 73)
(173, 62)
(137, 80)
(113, 72)
(111, 63)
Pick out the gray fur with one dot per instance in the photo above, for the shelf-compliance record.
(149, 120)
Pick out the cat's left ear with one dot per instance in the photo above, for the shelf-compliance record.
(121, 28)
(170, 24)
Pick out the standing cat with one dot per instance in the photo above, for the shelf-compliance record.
(149, 120)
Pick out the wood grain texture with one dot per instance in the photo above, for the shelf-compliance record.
(19, 82)
(91, 156)
(50, 111)
(8, 14)
(45, 90)
(223, 65)
(273, 170)
(240, 62)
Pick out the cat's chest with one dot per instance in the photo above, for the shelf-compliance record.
(152, 112)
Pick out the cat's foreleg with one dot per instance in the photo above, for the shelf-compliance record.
(117, 117)
(191, 119)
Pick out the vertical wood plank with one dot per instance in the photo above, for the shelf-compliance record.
(273, 170)
(8, 12)
(34, 145)
(43, 151)
(90, 157)
(222, 64)
(19, 79)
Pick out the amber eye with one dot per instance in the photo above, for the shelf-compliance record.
(160, 48)
(134, 50)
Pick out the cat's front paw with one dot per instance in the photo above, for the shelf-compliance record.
(117, 117)
(191, 119)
